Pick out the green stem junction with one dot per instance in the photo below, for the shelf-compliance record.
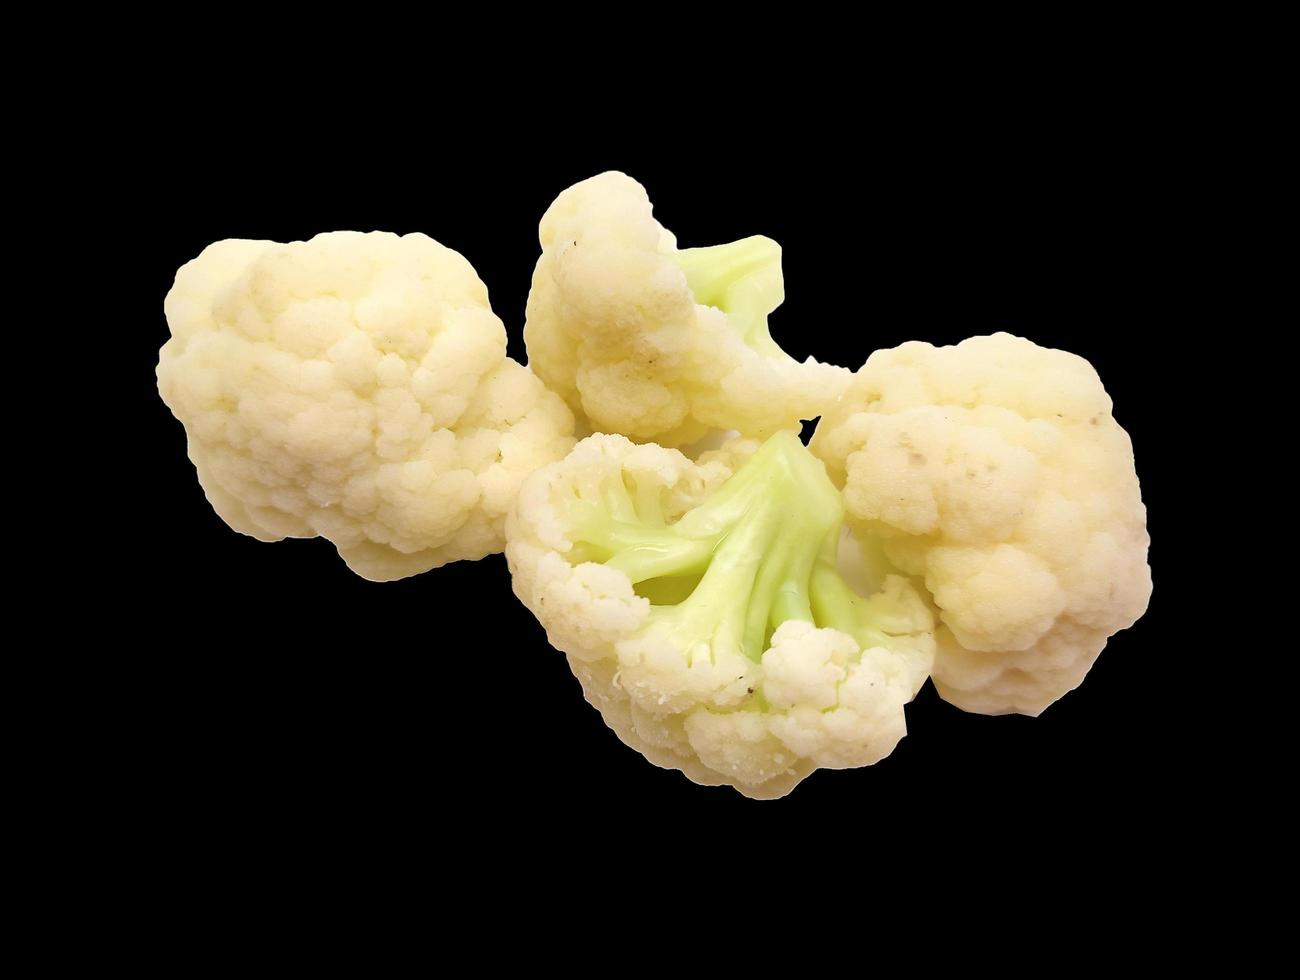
(760, 551)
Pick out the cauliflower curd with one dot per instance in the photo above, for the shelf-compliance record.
(662, 345)
(994, 470)
(702, 609)
(354, 387)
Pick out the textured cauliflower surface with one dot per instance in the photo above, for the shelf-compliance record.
(613, 326)
(668, 673)
(995, 470)
(354, 387)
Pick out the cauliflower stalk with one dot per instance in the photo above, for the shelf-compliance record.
(354, 387)
(994, 470)
(703, 611)
(659, 344)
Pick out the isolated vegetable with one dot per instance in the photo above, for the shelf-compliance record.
(995, 470)
(659, 344)
(354, 387)
(702, 609)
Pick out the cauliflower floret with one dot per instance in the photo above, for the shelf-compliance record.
(354, 387)
(995, 470)
(659, 344)
(702, 609)
(843, 707)
(741, 747)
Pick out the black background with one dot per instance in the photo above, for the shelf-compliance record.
(297, 704)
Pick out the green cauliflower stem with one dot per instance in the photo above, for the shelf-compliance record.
(759, 552)
(742, 279)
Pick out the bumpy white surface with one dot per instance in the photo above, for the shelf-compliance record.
(354, 387)
(613, 327)
(995, 470)
(824, 703)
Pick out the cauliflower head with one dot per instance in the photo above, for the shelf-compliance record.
(354, 387)
(994, 469)
(701, 607)
(656, 343)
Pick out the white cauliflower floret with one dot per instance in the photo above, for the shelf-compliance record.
(741, 747)
(842, 708)
(704, 614)
(354, 387)
(995, 470)
(655, 343)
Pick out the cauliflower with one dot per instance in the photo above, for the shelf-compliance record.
(702, 609)
(659, 344)
(995, 470)
(354, 387)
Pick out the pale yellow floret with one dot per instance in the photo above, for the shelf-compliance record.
(614, 328)
(838, 708)
(354, 387)
(995, 470)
